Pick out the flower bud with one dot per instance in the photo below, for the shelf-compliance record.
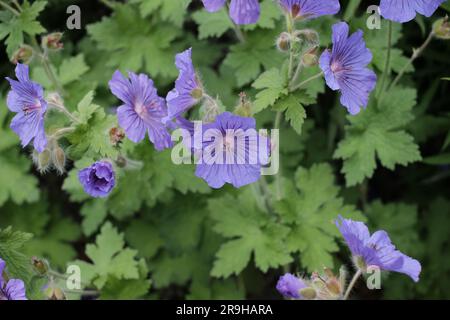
(116, 136)
(59, 159)
(244, 109)
(441, 29)
(121, 162)
(310, 58)
(308, 36)
(334, 286)
(308, 293)
(43, 160)
(54, 293)
(40, 266)
(284, 42)
(197, 93)
(53, 98)
(24, 54)
(52, 41)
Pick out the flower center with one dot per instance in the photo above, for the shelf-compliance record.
(140, 109)
(228, 143)
(336, 67)
(31, 108)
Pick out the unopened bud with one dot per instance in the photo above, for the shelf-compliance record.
(121, 162)
(308, 36)
(116, 136)
(24, 54)
(39, 266)
(244, 109)
(310, 58)
(43, 160)
(334, 286)
(55, 99)
(55, 293)
(308, 293)
(441, 29)
(197, 93)
(52, 41)
(59, 159)
(284, 42)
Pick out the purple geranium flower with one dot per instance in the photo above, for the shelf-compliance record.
(142, 111)
(98, 180)
(405, 10)
(310, 9)
(345, 68)
(241, 11)
(26, 98)
(289, 286)
(376, 249)
(12, 289)
(232, 151)
(188, 89)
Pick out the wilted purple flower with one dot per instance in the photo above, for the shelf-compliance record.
(376, 249)
(345, 68)
(241, 11)
(188, 89)
(142, 111)
(13, 289)
(310, 9)
(98, 180)
(405, 10)
(232, 151)
(26, 98)
(289, 286)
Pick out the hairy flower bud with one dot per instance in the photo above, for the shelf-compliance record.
(24, 55)
(52, 41)
(308, 293)
(116, 136)
(59, 159)
(55, 293)
(40, 266)
(308, 36)
(244, 109)
(310, 58)
(441, 29)
(284, 42)
(42, 160)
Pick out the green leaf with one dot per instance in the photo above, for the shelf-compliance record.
(18, 265)
(212, 24)
(109, 258)
(250, 58)
(132, 42)
(173, 11)
(72, 69)
(312, 208)
(249, 231)
(92, 137)
(16, 181)
(272, 85)
(378, 133)
(15, 27)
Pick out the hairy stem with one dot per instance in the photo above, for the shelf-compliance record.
(63, 109)
(352, 283)
(62, 132)
(301, 84)
(47, 68)
(416, 54)
(278, 176)
(387, 65)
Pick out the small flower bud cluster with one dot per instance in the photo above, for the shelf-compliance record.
(52, 41)
(24, 54)
(441, 29)
(52, 157)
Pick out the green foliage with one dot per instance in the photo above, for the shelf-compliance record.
(378, 133)
(163, 233)
(14, 27)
